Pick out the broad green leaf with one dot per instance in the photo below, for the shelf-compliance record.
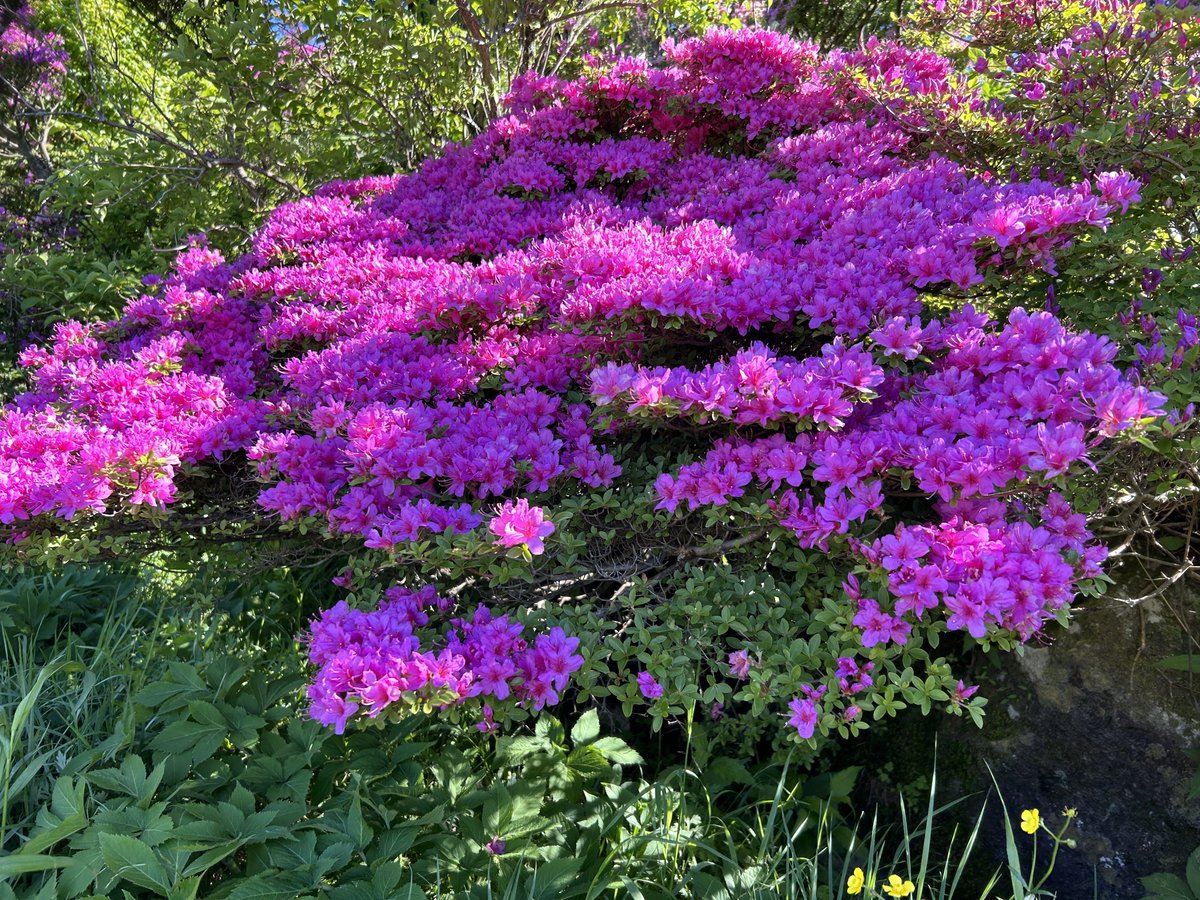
(1164, 886)
(587, 729)
(64, 829)
(132, 860)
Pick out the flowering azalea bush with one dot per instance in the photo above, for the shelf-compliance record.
(667, 388)
(1073, 90)
(33, 60)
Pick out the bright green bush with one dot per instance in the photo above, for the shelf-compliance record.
(213, 786)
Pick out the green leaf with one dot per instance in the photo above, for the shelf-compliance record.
(550, 878)
(723, 771)
(1016, 878)
(617, 751)
(64, 829)
(194, 740)
(25, 707)
(1189, 663)
(587, 729)
(67, 799)
(273, 885)
(357, 828)
(587, 761)
(516, 750)
(185, 889)
(390, 845)
(1163, 886)
(23, 864)
(132, 860)
(1193, 872)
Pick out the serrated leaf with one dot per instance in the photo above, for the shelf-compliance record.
(46, 839)
(1164, 886)
(617, 751)
(550, 879)
(67, 798)
(191, 739)
(185, 889)
(132, 860)
(587, 761)
(270, 886)
(587, 729)
(407, 892)
(392, 844)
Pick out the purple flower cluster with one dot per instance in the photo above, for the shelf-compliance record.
(394, 349)
(1067, 66)
(373, 660)
(1000, 410)
(753, 388)
(397, 355)
(1151, 350)
(851, 677)
(33, 61)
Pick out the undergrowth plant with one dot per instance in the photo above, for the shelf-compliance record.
(219, 788)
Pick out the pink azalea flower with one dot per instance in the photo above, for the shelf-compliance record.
(519, 523)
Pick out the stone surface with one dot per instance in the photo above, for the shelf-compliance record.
(1096, 724)
(1086, 720)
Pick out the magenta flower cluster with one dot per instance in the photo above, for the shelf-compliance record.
(370, 661)
(518, 523)
(1123, 62)
(33, 62)
(396, 348)
(398, 355)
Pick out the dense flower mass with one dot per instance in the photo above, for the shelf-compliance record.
(1060, 63)
(33, 62)
(733, 246)
(371, 661)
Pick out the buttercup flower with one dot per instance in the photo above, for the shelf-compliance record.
(854, 884)
(1030, 820)
(898, 887)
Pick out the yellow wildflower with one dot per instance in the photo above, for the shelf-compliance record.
(854, 884)
(1030, 820)
(897, 887)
